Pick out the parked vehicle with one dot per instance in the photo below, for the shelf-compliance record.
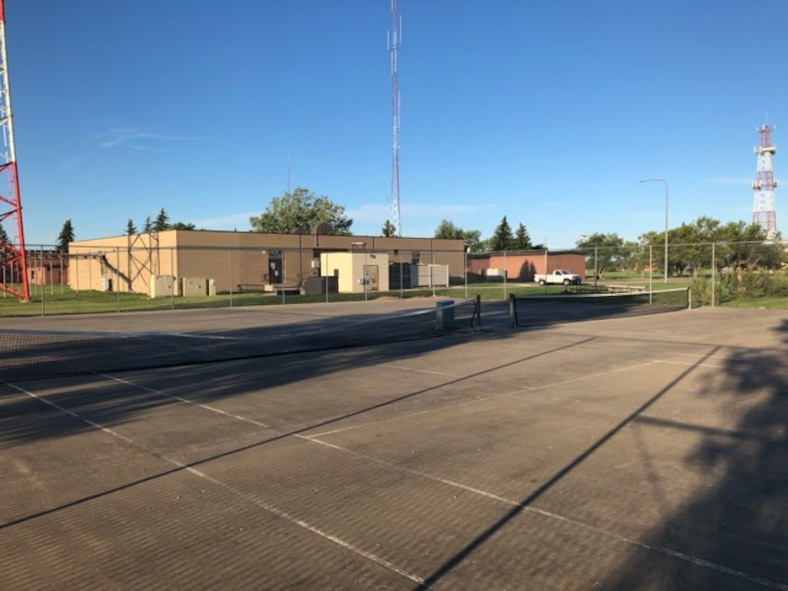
(558, 277)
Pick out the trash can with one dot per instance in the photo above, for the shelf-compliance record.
(444, 315)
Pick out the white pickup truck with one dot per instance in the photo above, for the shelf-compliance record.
(558, 277)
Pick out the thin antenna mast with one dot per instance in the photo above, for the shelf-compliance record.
(12, 255)
(395, 39)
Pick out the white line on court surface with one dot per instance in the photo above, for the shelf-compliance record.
(314, 439)
(417, 370)
(265, 506)
(723, 365)
(624, 539)
(185, 400)
(479, 399)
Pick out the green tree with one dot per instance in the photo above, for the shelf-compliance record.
(3, 236)
(747, 248)
(301, 210)
(503, 237)
(389, 230)
(605, 252)
(66, 235)
(131, 229)
(181, 226)
(148, 227)
(448, 231)
(522, 240)
(162, 221)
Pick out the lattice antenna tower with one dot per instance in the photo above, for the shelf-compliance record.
(13, 256)
(395, 40)
(763, 213)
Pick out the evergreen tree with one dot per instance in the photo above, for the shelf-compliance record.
(503, 237)
(66, 235)
(389, 230)
(131, 229)
(162, 222)
(3, 235)
(148, 227)
(522, 240)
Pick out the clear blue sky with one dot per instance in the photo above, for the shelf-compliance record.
(545, 112)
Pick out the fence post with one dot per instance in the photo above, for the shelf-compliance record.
(230, 267)
(650, 273)
(713, 272)
(43, 290)
(117, 274)
(505, 273)
(401, 281)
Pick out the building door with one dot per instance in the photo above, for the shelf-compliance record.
(275, 267)
(372, 277)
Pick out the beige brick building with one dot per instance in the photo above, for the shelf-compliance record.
(238, 260)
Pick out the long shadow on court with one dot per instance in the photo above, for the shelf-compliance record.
(90, 420)
(254, 359)
(739, 528)
(735, 536)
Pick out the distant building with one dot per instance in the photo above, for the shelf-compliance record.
(47, 267)
(240, 260)
(523, 265)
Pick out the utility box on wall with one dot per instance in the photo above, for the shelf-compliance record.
(194, 286)
(357, 272)
(430, 275)
(161, 286)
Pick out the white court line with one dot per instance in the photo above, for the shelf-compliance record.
(265, 506)
(185, 401)
(654, 548)
(693, 364)
(314, 439)
(480, 399)
(417, 370)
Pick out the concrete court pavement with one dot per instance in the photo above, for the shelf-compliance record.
(635, 453)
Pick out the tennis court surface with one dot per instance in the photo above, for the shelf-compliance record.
(642, 452)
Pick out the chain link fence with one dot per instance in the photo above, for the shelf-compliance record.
(160, 277)
(717, 272)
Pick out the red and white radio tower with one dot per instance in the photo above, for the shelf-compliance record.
(395, 39)
(12, 255)
(763, 213)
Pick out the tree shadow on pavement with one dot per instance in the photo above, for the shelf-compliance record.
(735, 534)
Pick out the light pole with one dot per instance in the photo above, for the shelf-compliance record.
(666, 219)
(465, 250)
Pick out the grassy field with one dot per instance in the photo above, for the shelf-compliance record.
(62, 300)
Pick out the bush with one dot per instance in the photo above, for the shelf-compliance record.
(753, 285)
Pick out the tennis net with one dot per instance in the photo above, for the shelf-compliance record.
(535, 310)
(29, 355)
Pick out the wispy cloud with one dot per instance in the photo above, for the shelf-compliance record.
(233, 221)
(136, 138)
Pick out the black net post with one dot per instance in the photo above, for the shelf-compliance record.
(512, 311)
(476, 319)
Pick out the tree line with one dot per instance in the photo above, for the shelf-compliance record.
(302, 211)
